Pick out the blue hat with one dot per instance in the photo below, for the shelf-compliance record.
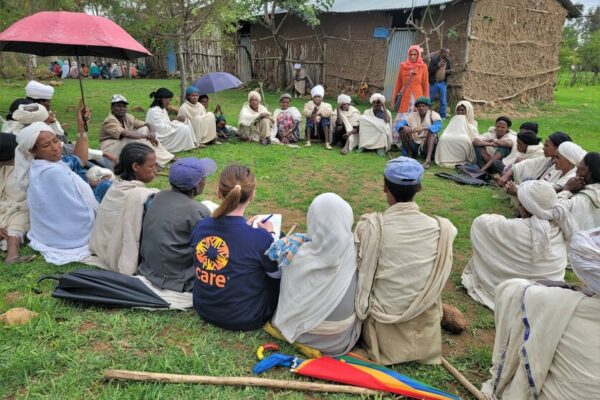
(186, 173)
(403, 171)
(190, 90)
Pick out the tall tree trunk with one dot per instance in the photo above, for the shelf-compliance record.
(182, 69)
(283, 51)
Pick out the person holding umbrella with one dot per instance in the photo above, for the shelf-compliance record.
(174, 135)
(120, 128)
(202, 122)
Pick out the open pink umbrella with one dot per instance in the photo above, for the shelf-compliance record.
(62, 33)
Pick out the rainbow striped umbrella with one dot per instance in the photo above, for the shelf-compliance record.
(352, 369)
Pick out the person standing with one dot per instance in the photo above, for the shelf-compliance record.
(412, 81)
(439, 69)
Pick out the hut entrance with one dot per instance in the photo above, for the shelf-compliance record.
(398, 44)
(244, 68)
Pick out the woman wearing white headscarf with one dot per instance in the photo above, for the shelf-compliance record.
(566, 159)
(62, 206)
(547, 344)
(318, 282)
(375, 127)
(456, 142)
(344, 120)
(254, 121)
(531, 247)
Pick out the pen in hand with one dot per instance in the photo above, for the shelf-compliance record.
(266, 219)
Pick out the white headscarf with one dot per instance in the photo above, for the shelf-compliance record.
(29, 113)
(375, 97)
(297, 66)
(39, 91)
(572, 152)
(344, 99)
(321, 272)
(317, 91)
(470, 113)
(23, 158)
(584, 256)
(254, 93)
(539, 198)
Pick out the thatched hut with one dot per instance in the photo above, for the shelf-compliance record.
(500, 49)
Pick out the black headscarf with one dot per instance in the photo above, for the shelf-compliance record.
(529, 138)
(529, 126)
(162, 93)
(8, 144)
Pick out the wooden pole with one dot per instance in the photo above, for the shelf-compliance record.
(463, 381)
(140, 376)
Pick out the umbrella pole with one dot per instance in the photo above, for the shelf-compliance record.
(140, 376)
(85, 125)
(463, 381)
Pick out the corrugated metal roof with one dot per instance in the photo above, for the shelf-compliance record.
(348, 6)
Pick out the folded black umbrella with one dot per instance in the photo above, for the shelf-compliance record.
(102, 287)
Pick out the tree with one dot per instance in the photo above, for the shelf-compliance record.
(589, 52)
(273, 14)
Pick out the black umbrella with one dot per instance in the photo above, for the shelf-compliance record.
(107, 288)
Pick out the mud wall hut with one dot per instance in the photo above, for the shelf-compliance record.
(501, 50)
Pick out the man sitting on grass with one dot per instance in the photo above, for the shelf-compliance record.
(318, 115)
(399, 296)
(419, 129)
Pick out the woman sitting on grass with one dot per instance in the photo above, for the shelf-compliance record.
(173, 135)
(236, 284)
(62, 206)
(456, 142)
(318, 282)
(255, 121)
(117, 232)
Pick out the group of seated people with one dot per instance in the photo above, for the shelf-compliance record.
(325, 289)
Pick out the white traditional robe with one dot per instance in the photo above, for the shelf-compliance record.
(293, 111)
(251, 126)
(502, 249)
(534, 168)
(556, 355)
(203, 123)
(14, 214)
(455, 145)
(374, 133)
(533, 151)
(404, 260)
(116, 236)
(62, 211)
(584, 206)
(174, 135)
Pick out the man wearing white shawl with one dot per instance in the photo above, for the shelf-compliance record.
(25, 114)
(318, 118)
(286, 126)
(62, 207)
(318, 282)
(254, 121)
(203, 123)
(375, 128)
(120, 128)
(399, 296)
(456, 142)
(494, 146)
(42, 94)
(547, 344)
(344, 121)
(581, 195)
(531, 247)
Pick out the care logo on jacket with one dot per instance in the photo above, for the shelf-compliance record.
(212, 253)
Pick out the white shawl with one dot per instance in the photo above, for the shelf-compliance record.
(292, 110)
(248, 115)
(584, 256)
(455, 144)
(62, 210)
(350, 119)
(316, 280)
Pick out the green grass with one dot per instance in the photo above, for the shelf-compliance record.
(63, 352)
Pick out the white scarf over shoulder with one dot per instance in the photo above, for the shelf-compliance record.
(247, 115)
(316, 280)
(584, 256)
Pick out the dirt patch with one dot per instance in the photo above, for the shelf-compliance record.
(102, 347)
(12, 297)
(87, 326)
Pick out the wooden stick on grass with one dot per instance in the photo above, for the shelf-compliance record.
(463, 381)
(140, 376)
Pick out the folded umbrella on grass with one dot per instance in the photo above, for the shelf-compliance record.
(354, 370)
(105, 288)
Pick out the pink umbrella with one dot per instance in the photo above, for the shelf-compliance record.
(63, 33)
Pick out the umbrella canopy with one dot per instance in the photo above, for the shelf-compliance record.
(214, 82)
(357, 371)
(106, 288)
(62, 33)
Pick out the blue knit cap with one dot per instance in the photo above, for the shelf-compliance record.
(191, 90)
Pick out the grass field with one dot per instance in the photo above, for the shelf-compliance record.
(62, 353)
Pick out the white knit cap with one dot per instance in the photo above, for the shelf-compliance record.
(344, 99)
(317, 91)
(39, 91)
(572, 152)
(23, 157)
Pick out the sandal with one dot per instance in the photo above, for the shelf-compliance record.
(328, 146)
(19, 259)
(307, 144)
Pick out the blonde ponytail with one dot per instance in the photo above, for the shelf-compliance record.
(236, 185)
